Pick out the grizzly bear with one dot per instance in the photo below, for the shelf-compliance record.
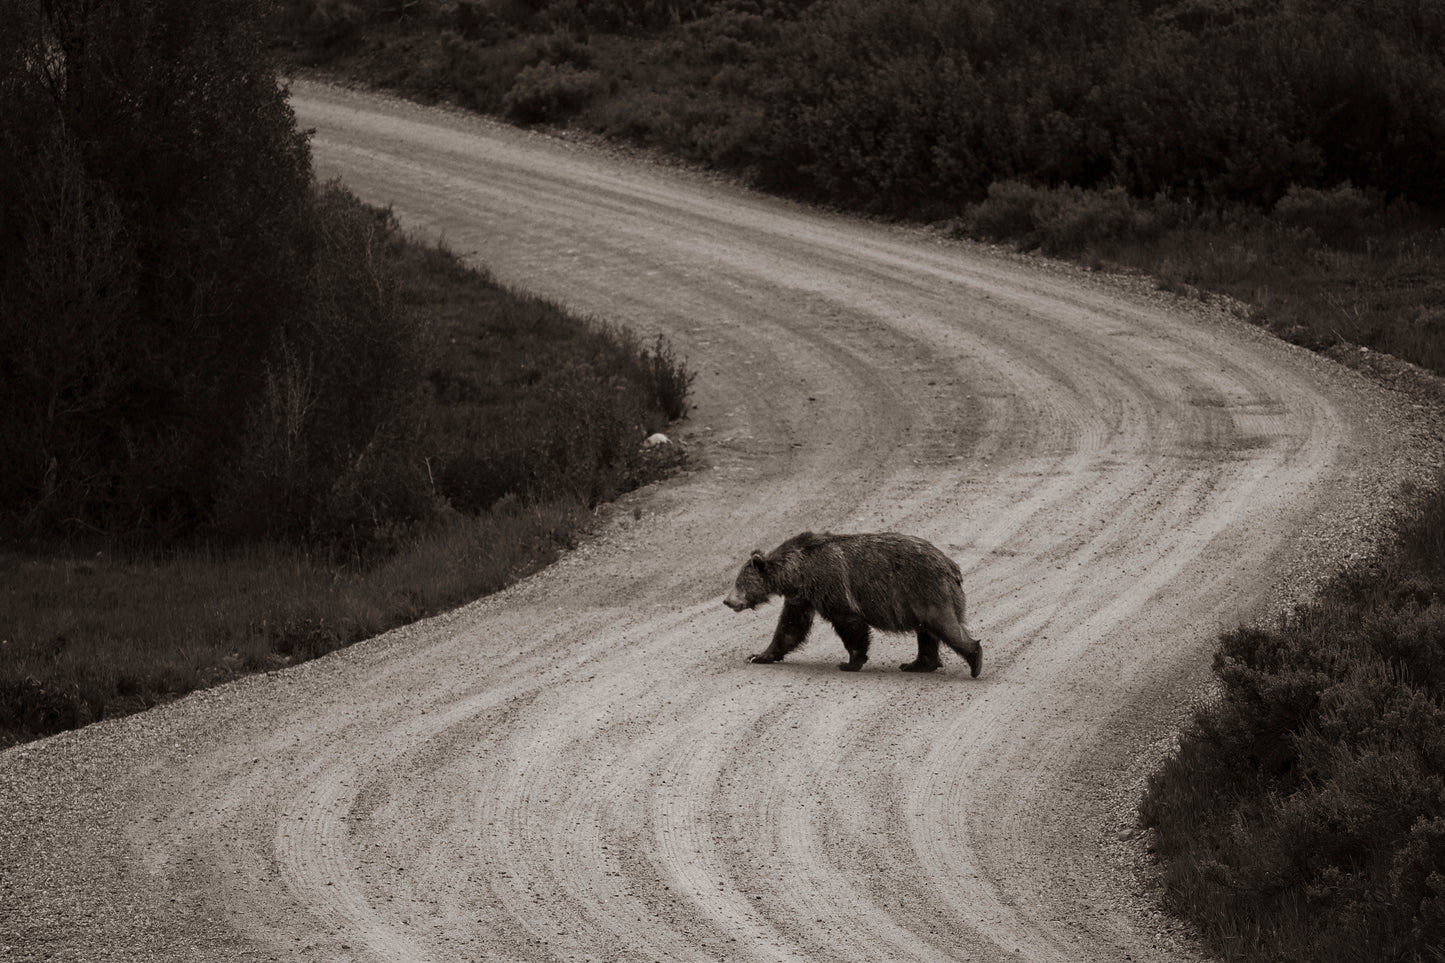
(897, 583)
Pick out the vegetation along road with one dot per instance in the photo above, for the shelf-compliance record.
(585, 767)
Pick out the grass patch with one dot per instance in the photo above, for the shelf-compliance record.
(92, 636)
(530, 418)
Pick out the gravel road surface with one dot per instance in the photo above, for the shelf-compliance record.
(585, 767)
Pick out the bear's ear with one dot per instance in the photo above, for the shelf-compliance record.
(759, 560)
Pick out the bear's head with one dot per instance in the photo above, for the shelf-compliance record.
(751, 588)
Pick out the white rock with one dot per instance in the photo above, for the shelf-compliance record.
(657, 439)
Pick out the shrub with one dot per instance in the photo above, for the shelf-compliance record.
(1339, 217)
(561, 47)
(548, 92)
(571, 426)
(636, 14)
(1301, 816)
(480, 74)
(1062, 220)
(322, 23)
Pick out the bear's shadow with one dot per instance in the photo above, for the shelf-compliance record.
(823, 667)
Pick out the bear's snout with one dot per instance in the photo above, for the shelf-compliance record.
(736, 601)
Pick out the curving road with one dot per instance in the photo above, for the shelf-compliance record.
(584, 767)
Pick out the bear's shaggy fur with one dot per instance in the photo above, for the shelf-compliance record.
(897, 583)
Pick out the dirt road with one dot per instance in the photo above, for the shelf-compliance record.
(585, 767)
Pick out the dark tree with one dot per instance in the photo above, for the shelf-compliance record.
(153, 236)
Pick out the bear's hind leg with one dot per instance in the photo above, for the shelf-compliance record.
(928, 659)
(855, 635)
(953, 632)
(793, 627)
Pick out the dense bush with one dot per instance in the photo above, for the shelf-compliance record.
(913, 109)
(479, 75)
(651, 14)
(1339, 217)
(1065, 220)
(331, 23)
(917, 108)
(1302, 815)
(549, 92)
(535, 405)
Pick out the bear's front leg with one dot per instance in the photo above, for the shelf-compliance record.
(793, 627)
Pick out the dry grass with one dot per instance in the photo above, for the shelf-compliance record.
(86, 636)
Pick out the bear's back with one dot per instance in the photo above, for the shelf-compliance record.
(887, 578)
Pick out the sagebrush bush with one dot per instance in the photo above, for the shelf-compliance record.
(550, 92)
(1339, 217)
(1062, 220)
(322, 23)
(1300, 818)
